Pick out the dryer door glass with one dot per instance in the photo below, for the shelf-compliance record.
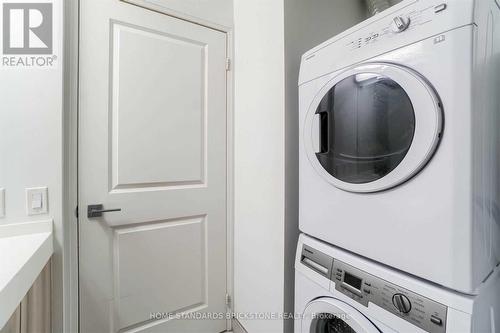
(329, 323)
(367, 124)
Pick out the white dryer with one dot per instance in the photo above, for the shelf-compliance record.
(400, 145)
(339, 292)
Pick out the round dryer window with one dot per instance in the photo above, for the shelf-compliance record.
(329, 315)
(372, 127)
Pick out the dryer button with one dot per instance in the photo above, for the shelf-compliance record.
(440, 8)
(436, 320)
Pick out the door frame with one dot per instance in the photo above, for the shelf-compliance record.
(70, 186)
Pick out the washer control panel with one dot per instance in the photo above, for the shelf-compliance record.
(365, 288)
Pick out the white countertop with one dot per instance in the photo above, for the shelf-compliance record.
(25, 249)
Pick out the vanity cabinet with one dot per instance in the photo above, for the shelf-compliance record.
(33, 315)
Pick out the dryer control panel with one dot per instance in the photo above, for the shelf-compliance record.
(409, 19)
(365, 288)
(403, 25)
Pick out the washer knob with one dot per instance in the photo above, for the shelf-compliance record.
(402, 303)
(400, 24)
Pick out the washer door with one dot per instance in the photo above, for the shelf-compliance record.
(372, 127)
(329, 315)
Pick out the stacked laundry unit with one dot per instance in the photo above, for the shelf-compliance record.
(400, 173)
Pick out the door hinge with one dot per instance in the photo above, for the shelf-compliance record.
(76, 212)
(228, 64)
(228, 299)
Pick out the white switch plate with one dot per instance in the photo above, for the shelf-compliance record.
(37, 201)
(2, 202)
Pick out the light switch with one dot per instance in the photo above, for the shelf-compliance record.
(2, 202)
(37, 201)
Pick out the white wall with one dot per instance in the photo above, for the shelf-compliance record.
(270, 37)
(31, 146)
(259, 161)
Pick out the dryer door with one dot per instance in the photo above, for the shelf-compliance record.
(372, 127)
(329, 315)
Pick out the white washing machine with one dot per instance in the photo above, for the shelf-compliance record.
(400, 145)
(339, 292)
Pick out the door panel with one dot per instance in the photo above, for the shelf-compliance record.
(138, 294)
(172, 104)
(152, 142)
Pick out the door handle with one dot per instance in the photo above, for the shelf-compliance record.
(98, 210)
(320, 132)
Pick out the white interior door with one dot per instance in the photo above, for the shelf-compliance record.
(152, 142)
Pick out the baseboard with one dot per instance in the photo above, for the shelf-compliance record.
(237, 327)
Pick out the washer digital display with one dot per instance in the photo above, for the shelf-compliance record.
(352, 281)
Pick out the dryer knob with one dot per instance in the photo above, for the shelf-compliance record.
(402, 303)
(400, 24)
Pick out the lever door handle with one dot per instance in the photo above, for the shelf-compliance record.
(98, 210)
